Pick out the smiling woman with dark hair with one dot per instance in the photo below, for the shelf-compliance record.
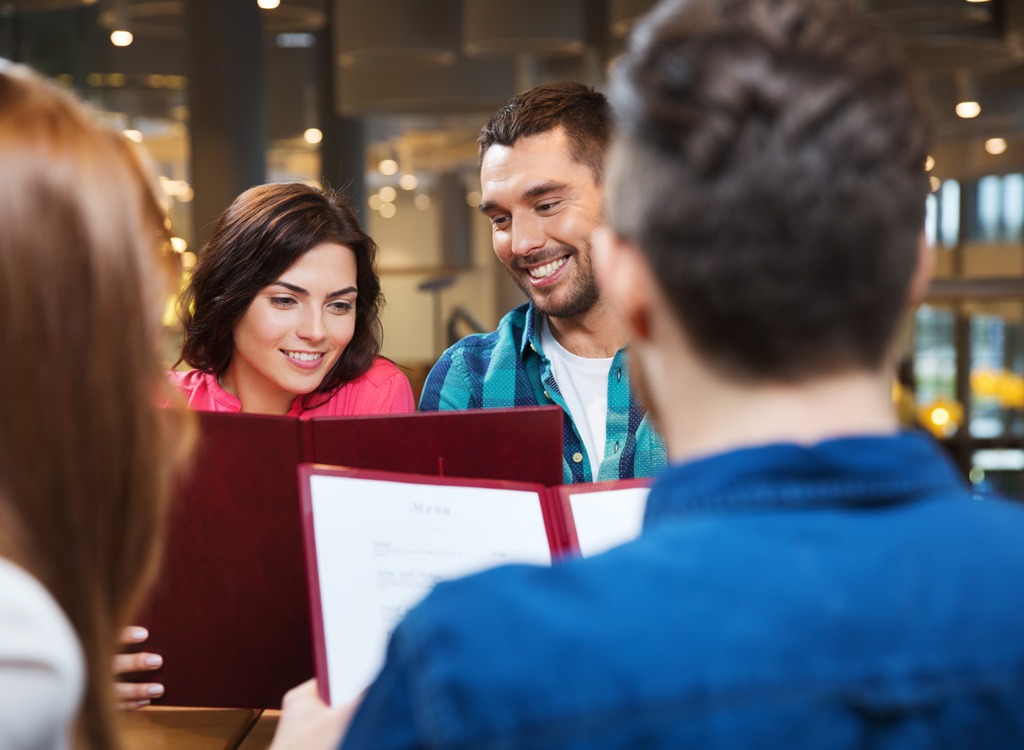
(282, 313)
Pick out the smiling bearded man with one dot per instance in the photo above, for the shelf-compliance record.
(541, 171)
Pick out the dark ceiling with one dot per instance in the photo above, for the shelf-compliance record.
(426, 64)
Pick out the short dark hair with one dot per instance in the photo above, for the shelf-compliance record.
(262, 233)
(582, 112)
(770, 164)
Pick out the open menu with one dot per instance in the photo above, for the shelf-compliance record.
(377, 542)
(229, 611)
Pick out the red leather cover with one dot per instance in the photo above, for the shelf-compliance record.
(523, 444)
(230, 612)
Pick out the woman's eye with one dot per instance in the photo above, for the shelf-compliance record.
(340, 307)
(282, 301)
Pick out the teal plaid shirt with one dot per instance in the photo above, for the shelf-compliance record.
(507, 367)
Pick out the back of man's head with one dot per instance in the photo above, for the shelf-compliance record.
(579, 110)
(770, 164)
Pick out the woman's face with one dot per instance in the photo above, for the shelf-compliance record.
(294, 331)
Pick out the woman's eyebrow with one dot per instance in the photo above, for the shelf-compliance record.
(300, 290)
(291, 287)
(346, 290)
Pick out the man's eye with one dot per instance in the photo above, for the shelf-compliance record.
(499, 221)
(547, 206)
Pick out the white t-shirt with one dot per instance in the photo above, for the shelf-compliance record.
(584, 385)
(42, 672)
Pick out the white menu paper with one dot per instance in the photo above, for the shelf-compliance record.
(607, 518)
(381, 546)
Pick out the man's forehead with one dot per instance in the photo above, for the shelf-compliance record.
(532, 161)
(546, 145)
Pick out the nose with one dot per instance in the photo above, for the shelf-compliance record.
(311, 328)
(527, 235)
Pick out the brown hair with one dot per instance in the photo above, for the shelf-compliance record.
(770, 164)
(262, 233)
(85, 454)
(579, 110)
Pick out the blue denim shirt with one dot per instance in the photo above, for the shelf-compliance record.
(508, 367)
(850, 594)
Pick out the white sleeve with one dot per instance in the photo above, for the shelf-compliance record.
(41, 665)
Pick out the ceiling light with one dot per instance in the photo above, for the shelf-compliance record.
(935, 183)
(388, 167)
(179, 245)
(929, 163)
(374, 202)
(313, 135)
(408, 182)
(387, 194)
(387, 210)
(995, 146)
(134, 135)
(422, 201)
(968, 109)
(268, 4)
(121, 37)
(966, 95)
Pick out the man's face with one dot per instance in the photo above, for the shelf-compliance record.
(543, 205)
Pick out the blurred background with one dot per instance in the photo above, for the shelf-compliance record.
(384, 99)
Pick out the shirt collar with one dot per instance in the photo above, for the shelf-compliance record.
(847, 471)
(531, 332)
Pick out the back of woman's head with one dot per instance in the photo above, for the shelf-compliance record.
(85, 457)
(258, 237)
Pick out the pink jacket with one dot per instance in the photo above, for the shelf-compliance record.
(382, 390)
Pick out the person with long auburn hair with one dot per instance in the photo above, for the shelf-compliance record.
(86, 454)
(282, 312)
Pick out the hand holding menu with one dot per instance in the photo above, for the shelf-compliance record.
(377, 542)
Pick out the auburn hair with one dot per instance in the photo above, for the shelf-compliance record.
(86, 455)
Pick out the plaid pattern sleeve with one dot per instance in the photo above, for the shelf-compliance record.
(507, 368)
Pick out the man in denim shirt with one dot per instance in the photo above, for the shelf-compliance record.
(807, 576)
(541, 166)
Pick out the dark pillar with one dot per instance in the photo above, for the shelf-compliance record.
(224, 64)
(343, 149)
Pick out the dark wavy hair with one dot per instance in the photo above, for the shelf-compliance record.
(260, 235)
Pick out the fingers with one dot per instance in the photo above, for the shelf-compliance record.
(307, 723)
(131, 696)
(141, 662)
(130, 705)
(133, 634)
(300, 693)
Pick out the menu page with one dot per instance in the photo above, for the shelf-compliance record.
(381, 546)
(607, 518)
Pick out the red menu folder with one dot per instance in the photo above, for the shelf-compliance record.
(228, 613)
(523, 443)
(230, 609)
(377, 542)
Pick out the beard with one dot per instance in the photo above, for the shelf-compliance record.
(576, 295)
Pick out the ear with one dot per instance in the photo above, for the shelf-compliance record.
(922, 272)
(624, 279)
